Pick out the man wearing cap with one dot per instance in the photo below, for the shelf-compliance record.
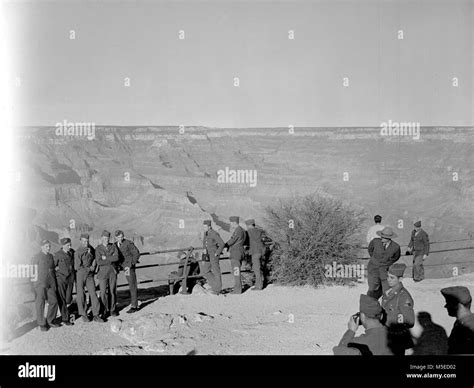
(45, 287)
(383, 253)
(458, 305)
(213, 246)
(256, 250)
(374, 340)
(420, 247)
(128, 258)
(236, 251)
(85, 266)
(106, 256)
(372, 233)
(64, 263)
(399, 314)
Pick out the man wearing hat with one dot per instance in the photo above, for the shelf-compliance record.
(213, 246)
(128, 258)
(420, 247)
(383, 253)
(458, 305)
(374, 340)
(45, 287)
(64, 263)
(106, 256)
(85, 266)
(399, 314)
(236, 251)
(256, 250)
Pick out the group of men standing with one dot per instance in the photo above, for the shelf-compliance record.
(214, 245)
(387, 323)
(57, 275)
(383, 252)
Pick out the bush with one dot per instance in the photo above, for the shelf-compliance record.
(311, 232)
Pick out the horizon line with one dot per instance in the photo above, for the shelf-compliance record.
(212, 127)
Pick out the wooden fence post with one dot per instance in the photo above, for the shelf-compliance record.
(184, 283)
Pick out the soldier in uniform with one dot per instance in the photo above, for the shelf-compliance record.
(257, 251)
(458, 305)
(128, 258)
(399, 314)
(420, 247)
(85, 266)
(383, 253)
(213, 246)
(236, 251)
(45, 287)
(106, 256)
(64, 263)
(374, 340)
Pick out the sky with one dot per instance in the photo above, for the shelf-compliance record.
(282, 81)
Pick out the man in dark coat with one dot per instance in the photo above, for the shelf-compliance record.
(106, 256)
(236, 251)
(458, 305)
(257, 251)
(85, 266)
(64, 263)
(420, 247)
(374, 340)
(383, 253)
(398, 305)
(213, 246)
(45, 287)
(128, 258)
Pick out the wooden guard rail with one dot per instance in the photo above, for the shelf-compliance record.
(190, 250)
(184, 277)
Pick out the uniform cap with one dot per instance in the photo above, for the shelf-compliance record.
(397, 269)
(250, 222)
(65, 241)
(84, 235)
(457, 294)
(105, 233)
(234, 219)
(207, 222)
(370, 306)
(417, 224)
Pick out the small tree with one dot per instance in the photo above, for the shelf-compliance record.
(310, 233)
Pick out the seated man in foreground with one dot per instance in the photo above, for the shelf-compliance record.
(374, 340)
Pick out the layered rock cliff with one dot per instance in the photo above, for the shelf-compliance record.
(158, 184)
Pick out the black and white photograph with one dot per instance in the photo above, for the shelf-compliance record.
(225, 187)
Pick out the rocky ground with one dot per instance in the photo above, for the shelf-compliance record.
(278, 320)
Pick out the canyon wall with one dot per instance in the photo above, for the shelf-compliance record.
(158, 184)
